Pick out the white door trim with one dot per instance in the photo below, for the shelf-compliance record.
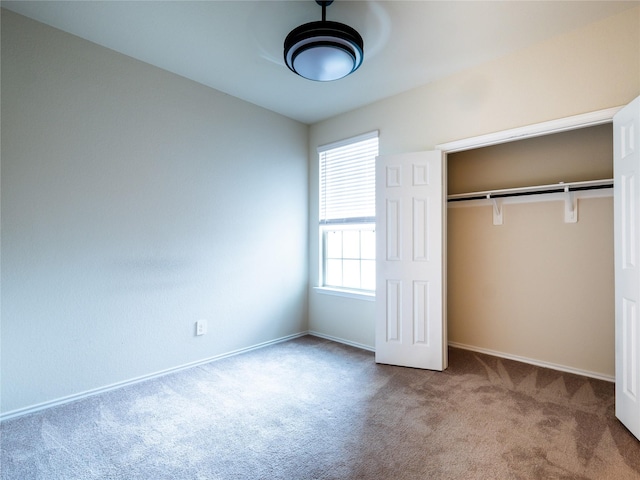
(534, 130)
(573, 122)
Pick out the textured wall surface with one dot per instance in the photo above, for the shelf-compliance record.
(135, 202)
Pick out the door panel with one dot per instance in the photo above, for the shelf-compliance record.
(626, 198)
(410, 308)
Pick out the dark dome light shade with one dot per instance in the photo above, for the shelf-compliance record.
(323, 51)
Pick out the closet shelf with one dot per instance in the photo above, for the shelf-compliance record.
(533, 190)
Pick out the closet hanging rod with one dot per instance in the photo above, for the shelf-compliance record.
(533, 190)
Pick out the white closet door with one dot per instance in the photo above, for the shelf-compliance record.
(410, 297)
(626, 166)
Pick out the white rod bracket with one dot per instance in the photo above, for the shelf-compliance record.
(497, 210)
(570, 207)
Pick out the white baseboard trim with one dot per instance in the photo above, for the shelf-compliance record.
(531, 361)
(96, 391)
(341, 340)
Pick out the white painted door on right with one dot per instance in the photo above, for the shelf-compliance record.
(626, 198)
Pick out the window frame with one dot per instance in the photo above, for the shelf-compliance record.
(351, 223)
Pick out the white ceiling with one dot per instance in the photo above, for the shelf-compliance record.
(236, 46)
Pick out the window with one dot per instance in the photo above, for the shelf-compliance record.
(347, 214)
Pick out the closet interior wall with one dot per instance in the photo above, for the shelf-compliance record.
(535, 287)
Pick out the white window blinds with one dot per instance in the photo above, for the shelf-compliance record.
(347, 180)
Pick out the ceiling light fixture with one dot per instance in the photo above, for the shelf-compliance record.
(323, 51)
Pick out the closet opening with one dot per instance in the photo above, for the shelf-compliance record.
(530, 263)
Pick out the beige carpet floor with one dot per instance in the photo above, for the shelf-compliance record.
(314, 409)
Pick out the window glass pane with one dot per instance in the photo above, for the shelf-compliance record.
(351, 273)
(368, 242)
(368, 274)
(333, 273)
(334, 244)
(351, 243)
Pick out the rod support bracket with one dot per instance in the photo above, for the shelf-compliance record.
(570, 206)
(497, 210)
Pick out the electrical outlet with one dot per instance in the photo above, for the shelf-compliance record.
(201, 327)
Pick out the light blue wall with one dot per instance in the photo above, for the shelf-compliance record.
(135, 202)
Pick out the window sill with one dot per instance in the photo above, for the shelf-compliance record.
(370, 297)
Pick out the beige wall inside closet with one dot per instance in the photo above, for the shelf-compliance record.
(535, 287)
